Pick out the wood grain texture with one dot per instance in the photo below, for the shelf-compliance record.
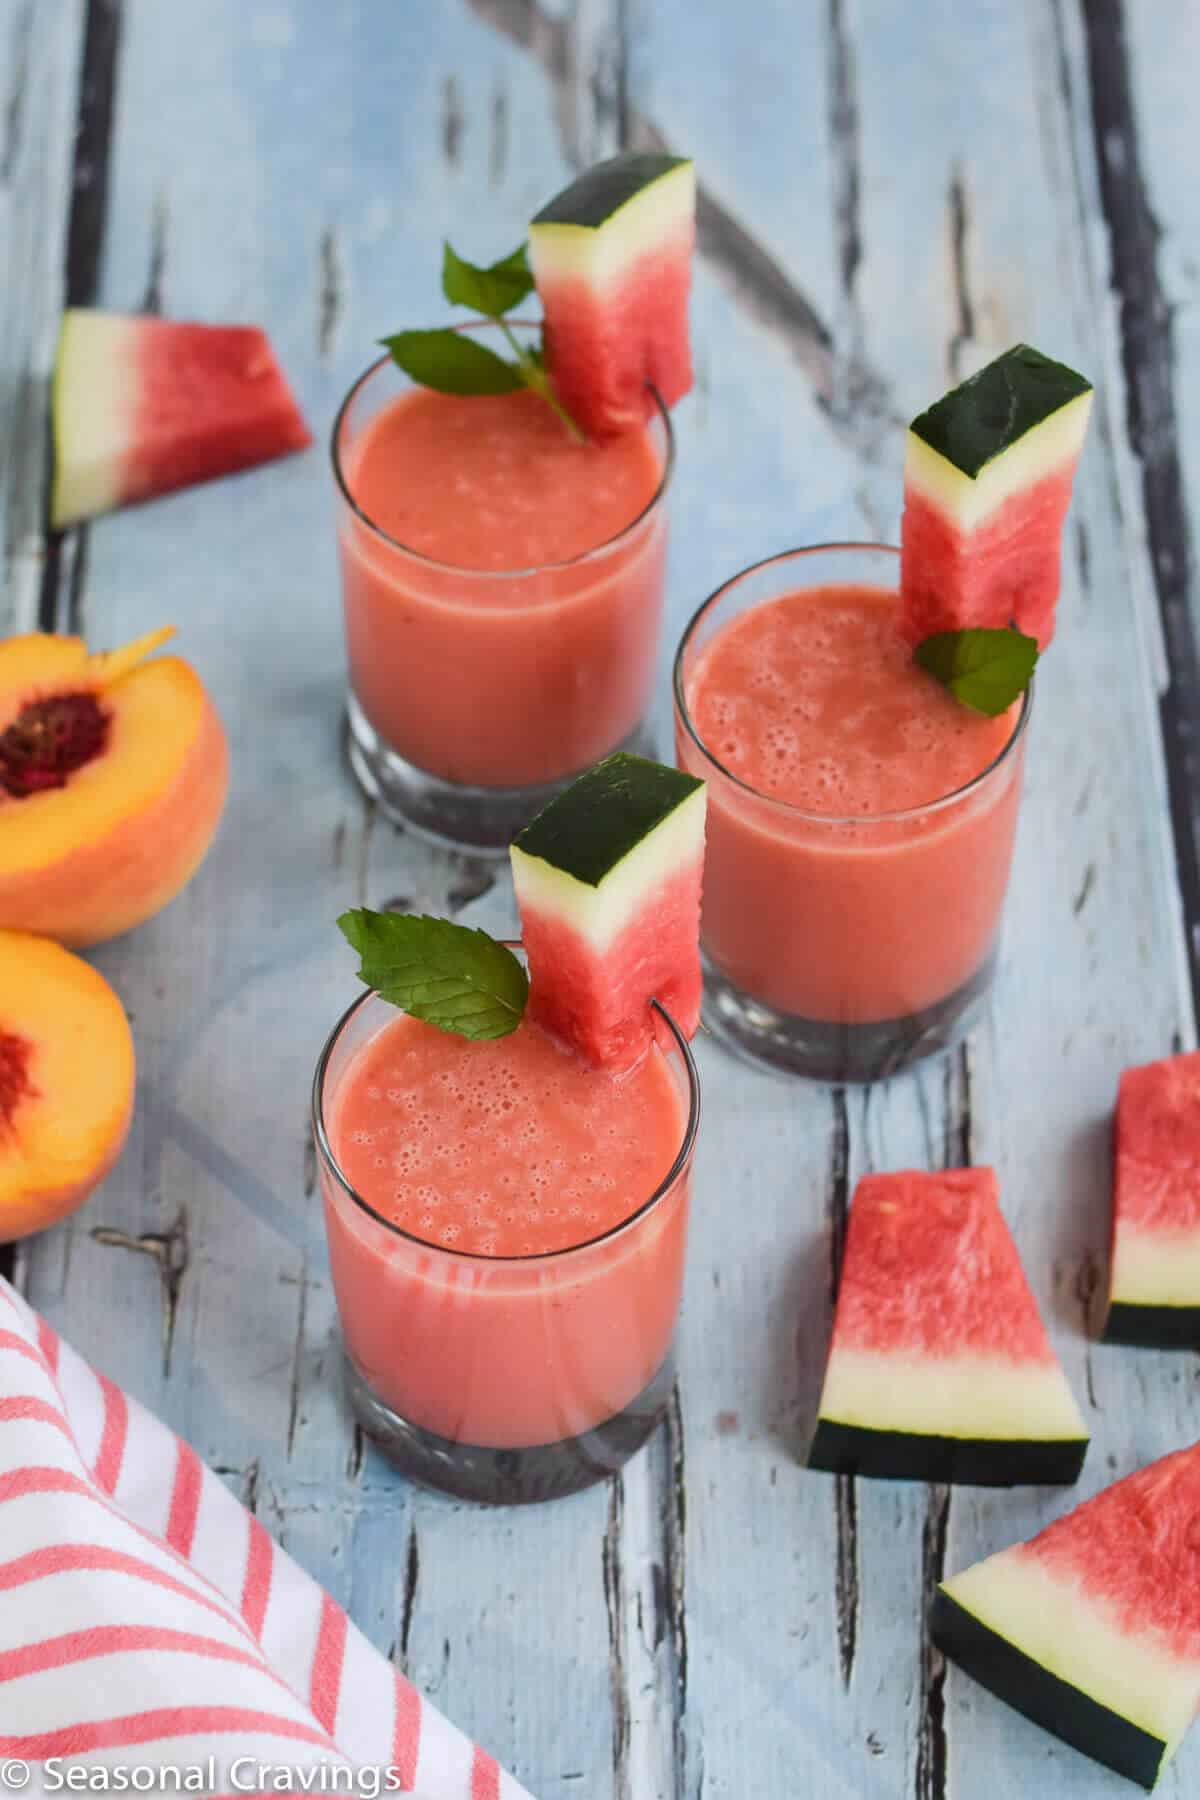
(40, 49)
(887, 201)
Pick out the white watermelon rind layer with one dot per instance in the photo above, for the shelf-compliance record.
(93, 404)
(965, 1396)
(1052, 1619)
(1155, 1268)
(650, 224)
(599, 914)
(967, 503)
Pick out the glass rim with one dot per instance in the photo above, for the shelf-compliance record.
(497, 575)
(897, 816)
(474, 1257)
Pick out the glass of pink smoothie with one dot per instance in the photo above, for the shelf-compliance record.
(860, 819)
(503, 591)
(506, 1230)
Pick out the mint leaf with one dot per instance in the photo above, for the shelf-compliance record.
(493, 291)
(456, 978)
(984, 668)
(452, 362)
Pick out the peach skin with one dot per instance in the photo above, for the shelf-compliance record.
(113, 774)
(66, 1082)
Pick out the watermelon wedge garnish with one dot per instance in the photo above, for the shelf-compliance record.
(144, 405)
(1154, 1268)
(611, 256)
(1092, 1628)
(607, 879)
(940, 1368)
(987, 482)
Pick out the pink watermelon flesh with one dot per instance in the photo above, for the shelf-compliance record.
(606, 348)
(210, 399)
(598, 1001)
(931, 1269)
(145, 405)
(1136, 1546)
(1157, 1185)
(1005, 572)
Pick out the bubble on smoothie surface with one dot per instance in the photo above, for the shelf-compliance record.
(488, 1148)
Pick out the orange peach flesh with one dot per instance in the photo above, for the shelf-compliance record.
(66, 1082)
(95, 856)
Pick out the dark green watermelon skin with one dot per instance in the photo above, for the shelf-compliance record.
(592, 826)
(841, 1449)
(988, 413)
(1152, 1327)
(1048, 1701)
(604, 189)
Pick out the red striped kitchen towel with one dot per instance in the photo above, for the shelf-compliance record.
(148, 1621)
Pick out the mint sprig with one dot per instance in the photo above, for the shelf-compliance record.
(455, 362)
(452, 976)
(493, 291)
(986, 668)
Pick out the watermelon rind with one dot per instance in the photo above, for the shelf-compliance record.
(985, 417)
(880, 1454)
(1152, 1327)
(997, 435)
(613, 836)
(591, 827)
(1047, 1699)
(964, 1419)
(90, 407)
(613, 214)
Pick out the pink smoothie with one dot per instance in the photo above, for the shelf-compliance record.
(815, 900)
(506, 1149)
(470, 668)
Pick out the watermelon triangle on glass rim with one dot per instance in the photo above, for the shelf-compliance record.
(611, 256)
(988, 471)
(143, 405)
(607, 879)
(940, 1368)
(1154, 1265)
(1092, 1628)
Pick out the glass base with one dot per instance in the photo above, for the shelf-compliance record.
(479, 819)
(510, 1477)
(825, 1051)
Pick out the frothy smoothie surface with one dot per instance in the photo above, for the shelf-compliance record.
(494, 481)
(511, 1147)
(815, 699)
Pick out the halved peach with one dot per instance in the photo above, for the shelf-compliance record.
(113, 774)
(66, 1082)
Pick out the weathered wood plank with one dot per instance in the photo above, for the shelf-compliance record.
(39, 72)
(719, 1622)
(1139, 60)
(207, 1244)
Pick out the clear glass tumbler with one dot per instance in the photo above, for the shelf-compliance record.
(505, 1379)
(475, 695)
(843, 948)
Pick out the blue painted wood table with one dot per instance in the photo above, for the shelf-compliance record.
(890, 195)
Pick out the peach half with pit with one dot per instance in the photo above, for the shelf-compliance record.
(66, 1082)
(113, 774)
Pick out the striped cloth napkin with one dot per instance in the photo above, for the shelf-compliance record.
(148, 1622)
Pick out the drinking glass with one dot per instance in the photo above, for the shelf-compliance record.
(843, 948)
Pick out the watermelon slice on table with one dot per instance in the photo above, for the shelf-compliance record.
(143, 405)
(1092, 1628)
(607, 879)
(987, 482)
(940, 1368)
(1154, 1267)
(611, 256)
